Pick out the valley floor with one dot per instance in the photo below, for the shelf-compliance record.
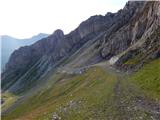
(99, 93)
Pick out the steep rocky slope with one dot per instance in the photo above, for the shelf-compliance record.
(143, 23)
(9, 44)
(47, 53)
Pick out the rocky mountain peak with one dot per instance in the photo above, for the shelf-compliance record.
(58, 33)
(133, 4)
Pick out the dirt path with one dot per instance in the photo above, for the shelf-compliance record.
(129, 102)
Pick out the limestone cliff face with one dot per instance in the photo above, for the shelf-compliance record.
(141, 25)
(146, 47)
(138, 39)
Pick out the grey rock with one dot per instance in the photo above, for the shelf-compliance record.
(55, 117)
(131, 37)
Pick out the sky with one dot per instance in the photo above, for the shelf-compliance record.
(25, 18)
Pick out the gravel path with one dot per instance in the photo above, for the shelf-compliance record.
(129, 102)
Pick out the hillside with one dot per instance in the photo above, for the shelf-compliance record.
(9, 44)
(105, 69)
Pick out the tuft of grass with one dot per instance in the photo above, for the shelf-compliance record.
(8, 98)
(148, 79)
(135, 59)
(131, 62)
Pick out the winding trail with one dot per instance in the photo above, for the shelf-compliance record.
(128, 101)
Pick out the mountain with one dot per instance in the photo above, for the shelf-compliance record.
(107, 68)
(58, 46)
(9, 44)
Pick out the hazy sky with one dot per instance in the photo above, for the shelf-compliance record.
(25, 18)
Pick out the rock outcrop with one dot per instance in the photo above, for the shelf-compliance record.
(126, 29)
(140, 32)
(9, 44)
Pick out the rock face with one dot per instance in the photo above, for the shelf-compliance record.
(128, 28)
(135, 57)
(140, 35)
(144, 20)
(9, 44)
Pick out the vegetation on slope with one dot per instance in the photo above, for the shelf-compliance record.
(98, 93)
(74, 97)
(8, 99)
(148, 79)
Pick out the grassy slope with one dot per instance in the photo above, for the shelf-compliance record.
(88, 92)
(92, 95)
(9, 99)
(148, 79)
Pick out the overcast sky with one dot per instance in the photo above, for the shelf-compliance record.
(25, 18)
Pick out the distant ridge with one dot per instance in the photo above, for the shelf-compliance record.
(9, 44)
